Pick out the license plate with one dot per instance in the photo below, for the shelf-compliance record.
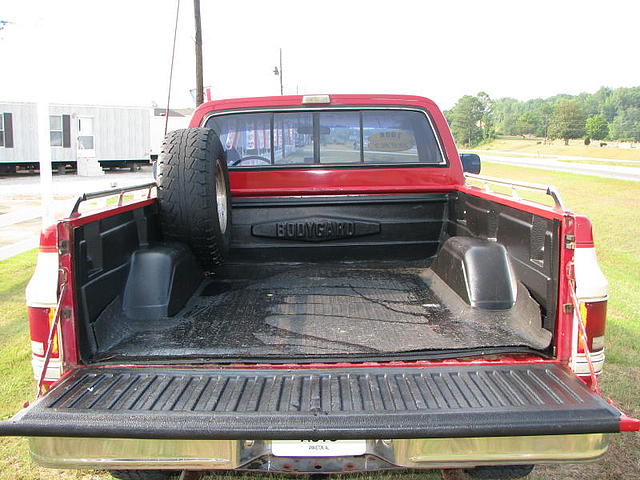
(318, 448)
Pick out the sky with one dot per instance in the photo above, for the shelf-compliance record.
(118, 52)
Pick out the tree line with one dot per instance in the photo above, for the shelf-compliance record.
(608, 114)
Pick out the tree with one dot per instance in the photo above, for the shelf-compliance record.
(465, 118)
(597, 127)
(514, 117)
(626, 125)
(567, 121)
(546, 112)
(505, 114)
(486, 122)
(528, 124)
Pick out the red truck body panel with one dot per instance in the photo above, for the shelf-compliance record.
(330, 181)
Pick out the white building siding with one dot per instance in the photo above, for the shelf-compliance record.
(120, 133)
(25, 135)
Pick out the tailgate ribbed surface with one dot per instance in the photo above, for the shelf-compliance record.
(326, 392)
(336, 403)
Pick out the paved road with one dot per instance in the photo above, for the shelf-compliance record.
(551, 163)
(20, 209)
(71, 185)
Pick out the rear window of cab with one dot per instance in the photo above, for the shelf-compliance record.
(332, 137)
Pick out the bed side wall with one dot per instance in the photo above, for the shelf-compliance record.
(532, 243)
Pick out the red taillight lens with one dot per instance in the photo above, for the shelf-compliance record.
(594, 316)
(40, 321)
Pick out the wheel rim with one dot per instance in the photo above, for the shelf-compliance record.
(221, 198)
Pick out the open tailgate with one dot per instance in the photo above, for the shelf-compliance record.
(354, 403)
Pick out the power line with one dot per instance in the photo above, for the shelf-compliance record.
(173, 54)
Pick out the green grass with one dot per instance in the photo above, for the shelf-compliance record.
(602, 162)
(611, 205)
(18, 385)
(576, 148)
(595, 161)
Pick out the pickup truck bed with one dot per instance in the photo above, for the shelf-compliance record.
(387, 293)
(283, 309)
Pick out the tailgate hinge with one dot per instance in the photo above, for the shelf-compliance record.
(63, 247)
(570, 242)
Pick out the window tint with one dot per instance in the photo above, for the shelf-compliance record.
(246, 138)
(390, 136)
(340, 137)
(293, 138)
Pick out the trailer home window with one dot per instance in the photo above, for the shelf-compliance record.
(55, 130)
(2, 130)
(336, 137)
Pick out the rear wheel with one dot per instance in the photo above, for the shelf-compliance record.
(193, 193)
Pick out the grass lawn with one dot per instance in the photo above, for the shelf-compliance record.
(576, 148)
(609, 203)
(601, 162)
(18, 384)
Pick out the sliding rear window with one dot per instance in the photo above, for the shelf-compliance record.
(337, 137)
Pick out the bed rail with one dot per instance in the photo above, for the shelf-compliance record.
(120, 192)
(515, 185)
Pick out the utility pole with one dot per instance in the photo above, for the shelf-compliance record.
(199, 79)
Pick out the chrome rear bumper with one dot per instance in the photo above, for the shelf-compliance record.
(119, 453)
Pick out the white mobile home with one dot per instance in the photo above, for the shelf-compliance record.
(177, 118)
(114, 136)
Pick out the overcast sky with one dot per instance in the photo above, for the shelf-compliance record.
(118, 52)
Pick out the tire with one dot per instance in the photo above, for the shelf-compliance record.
(143, 474)
(504, 472)
(193, 194)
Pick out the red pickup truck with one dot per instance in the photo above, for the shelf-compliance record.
(317, 288)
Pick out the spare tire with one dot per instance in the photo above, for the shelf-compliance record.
(193, 193)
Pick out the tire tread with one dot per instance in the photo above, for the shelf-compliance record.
(187, 195)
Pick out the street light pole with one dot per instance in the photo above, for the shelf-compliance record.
(281, 89)
(199, 75)
(278, 71)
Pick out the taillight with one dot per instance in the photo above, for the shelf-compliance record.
(592, 290)
(42, 299)
(594, 316)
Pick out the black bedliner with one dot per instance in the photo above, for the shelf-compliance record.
(215, 403)
(368, 295)
(304, 309)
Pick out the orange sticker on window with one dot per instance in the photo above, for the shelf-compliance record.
(390, 141)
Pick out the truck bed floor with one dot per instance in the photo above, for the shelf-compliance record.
(309, 309)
